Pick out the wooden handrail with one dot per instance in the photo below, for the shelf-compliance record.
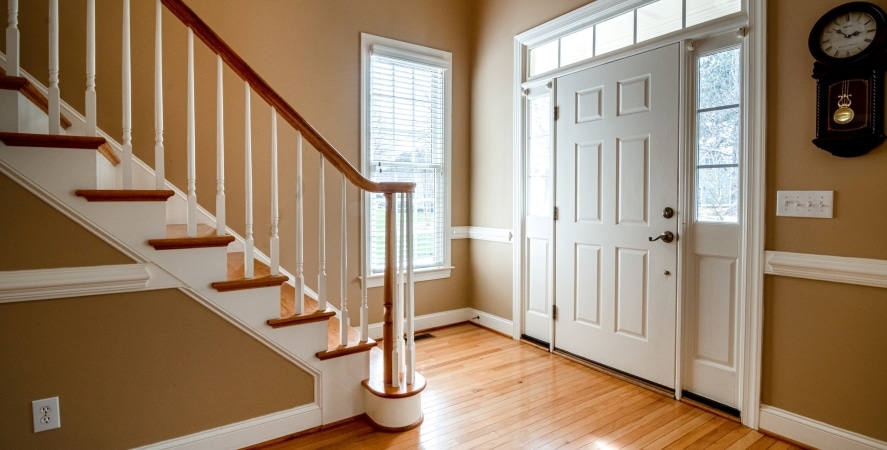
(212, 40)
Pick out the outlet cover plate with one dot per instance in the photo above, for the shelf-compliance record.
(818, 204)
(46, 414)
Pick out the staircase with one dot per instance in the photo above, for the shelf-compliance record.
(59, 154)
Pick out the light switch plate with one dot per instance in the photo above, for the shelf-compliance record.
(818, 204)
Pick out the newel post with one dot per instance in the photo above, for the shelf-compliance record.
(388, 288)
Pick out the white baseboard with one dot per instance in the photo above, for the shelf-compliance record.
(249, 432)
(453, 317)
(492, 322)
(814, 433)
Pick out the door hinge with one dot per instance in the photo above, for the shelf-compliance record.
(555, 213)
(554, 312)
(557, 112)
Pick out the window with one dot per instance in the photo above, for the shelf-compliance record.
(406, 138)
(649, 20)
(717, 135)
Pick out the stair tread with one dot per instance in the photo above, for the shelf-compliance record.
(235, 277)
(376, 382)
(124, 195)
(30, 92)
(177, 238)
(98, 144)
(335, 349)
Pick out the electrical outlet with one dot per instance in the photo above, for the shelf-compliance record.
(46, 414)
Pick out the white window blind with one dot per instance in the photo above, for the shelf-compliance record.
(406, 128)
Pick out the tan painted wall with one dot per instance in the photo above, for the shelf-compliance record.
(825, 348)
(32, 234)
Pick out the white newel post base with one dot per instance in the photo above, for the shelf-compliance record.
(393, 409)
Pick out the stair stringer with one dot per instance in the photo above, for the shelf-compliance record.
(128, 225)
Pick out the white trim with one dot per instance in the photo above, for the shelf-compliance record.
(483, 234)
(435, 273)
(836, 269)
(492, 322)
(247, 432)
(814, 433)
(43, 284)
(445, 318)
(751, 271)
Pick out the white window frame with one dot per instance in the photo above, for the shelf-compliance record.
(393, 48)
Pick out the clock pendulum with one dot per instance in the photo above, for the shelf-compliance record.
(844, 114)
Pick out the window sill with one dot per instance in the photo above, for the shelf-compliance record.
(436, 273)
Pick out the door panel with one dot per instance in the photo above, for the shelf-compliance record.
(712, 314)
(616, 168)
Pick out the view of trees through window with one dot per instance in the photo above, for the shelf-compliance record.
(717, 136)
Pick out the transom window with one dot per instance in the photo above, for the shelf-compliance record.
(650, 20)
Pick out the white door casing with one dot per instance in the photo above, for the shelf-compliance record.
(616, 165)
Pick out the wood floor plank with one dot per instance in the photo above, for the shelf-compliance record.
(487, 391)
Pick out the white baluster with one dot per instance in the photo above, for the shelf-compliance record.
(249, 244)
(410, 303)
(321, 275)
(126, 163)
(53, 94)
(275, 214)
(192, 144)
(397, 311)
(346, 321)
(364, 300)
(221, 227)
(159, 158)
(12, 39)
(90, 97)
(300, 240)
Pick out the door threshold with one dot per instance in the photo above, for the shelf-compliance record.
(711, 406)
(616, 373)
(535, 341)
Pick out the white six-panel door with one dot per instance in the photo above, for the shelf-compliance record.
(616, 170)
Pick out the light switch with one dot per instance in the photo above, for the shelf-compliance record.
(819, 204)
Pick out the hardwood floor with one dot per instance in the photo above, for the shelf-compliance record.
(487, 391)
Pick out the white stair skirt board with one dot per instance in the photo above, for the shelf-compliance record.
(814, 433)
(453, 317)
(246, 433)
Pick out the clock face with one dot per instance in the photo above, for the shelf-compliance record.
(848, 34)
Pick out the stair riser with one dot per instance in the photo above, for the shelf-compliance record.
(60, 171)
(21, 115)
(342, 396)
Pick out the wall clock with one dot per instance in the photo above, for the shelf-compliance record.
(848, 43)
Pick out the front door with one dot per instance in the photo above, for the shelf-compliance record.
(616, 171)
